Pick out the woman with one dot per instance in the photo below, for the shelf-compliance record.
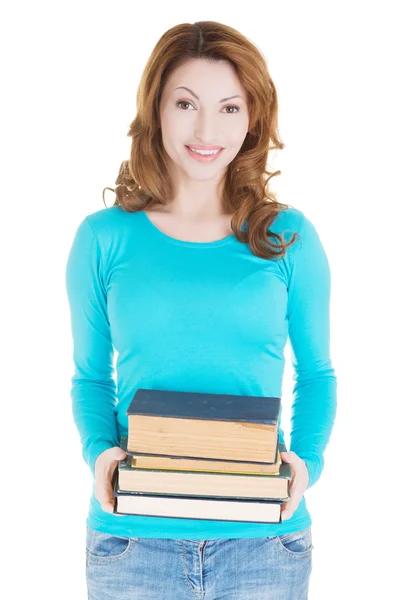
(197, 276)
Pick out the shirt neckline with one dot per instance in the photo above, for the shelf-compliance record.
(167, 238)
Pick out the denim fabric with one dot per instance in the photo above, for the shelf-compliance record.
(264, 568)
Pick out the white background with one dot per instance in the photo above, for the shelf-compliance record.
(70, 72)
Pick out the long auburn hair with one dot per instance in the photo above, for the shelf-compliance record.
(144, 180)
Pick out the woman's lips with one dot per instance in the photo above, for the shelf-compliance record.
(204, 158)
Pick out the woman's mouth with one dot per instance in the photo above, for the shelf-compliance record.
(205, 158)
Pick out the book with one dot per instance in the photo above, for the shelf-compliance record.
(190, 507)
(148, 461)
(196, 425)
(203, 483)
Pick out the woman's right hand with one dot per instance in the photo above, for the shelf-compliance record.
(104, 468)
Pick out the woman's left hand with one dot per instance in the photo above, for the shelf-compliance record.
(298, 484)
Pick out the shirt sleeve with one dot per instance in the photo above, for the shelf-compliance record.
(93, 391)
(314, 392)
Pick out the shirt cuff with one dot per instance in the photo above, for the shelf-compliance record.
(95, 450)
(314, 467)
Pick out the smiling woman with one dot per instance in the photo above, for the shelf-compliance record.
(183, 278)
(206, 86)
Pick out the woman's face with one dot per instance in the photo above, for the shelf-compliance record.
(199, 117)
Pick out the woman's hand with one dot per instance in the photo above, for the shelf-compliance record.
(298, 484)
(104, 468)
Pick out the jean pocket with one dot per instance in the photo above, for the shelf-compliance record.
(295, 545)
(107, 548)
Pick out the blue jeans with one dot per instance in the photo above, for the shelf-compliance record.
(266, 568)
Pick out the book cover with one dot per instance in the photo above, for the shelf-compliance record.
(205, 406)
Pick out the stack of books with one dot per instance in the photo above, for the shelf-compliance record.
(196, 455)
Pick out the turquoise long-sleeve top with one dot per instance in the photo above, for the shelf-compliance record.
(152, 311)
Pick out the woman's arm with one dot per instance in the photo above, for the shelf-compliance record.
(93, 391)
(314, 393)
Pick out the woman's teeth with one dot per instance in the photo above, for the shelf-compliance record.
(204, 151)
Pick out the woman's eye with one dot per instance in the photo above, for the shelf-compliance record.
(185, 102)
(237, 109)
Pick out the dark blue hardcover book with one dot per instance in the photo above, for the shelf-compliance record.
(251, 435)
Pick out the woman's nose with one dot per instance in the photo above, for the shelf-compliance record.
(205, 130)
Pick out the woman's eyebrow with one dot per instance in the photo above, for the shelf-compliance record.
(183, 87)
